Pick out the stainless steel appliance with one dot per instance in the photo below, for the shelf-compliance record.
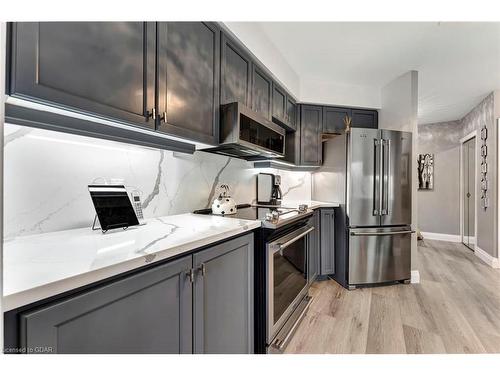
(276, 193)
(286, 285)
(268, 189)
(280, 275)
(245, 134)
(369, 171)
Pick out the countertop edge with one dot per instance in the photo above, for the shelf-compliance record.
(39, 293)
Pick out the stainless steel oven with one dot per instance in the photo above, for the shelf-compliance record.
(287, 287)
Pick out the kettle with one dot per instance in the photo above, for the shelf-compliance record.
(224, 204)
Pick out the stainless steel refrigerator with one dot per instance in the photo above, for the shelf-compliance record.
(368, 171)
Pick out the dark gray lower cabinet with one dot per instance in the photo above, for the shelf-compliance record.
(314, 248)
(223, 298)
(327, 238)
(159, 310)
(150, 312)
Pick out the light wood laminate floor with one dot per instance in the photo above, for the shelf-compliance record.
(454, 309)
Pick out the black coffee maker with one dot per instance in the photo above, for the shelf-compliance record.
(268, 189)
(276, 194)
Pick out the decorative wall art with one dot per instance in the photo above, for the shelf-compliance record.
(425, 164)
(484, 169)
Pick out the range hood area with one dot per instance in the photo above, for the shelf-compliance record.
(245, 134)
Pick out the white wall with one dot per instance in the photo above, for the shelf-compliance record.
(251, 34)
(323, 92)
(308, 91)
(399, 107)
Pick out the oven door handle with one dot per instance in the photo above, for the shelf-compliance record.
(303, 232)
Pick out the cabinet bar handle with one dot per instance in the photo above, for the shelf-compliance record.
(203, 269)
(151, 114)
(190, 275)
(163, 117)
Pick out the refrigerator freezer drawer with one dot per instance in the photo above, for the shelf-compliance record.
(378, 255)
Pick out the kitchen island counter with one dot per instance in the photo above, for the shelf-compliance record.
(41, 266)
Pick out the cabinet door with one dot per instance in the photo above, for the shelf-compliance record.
(314, 248)
(364, 118)
(150, 312)
(291, 113)
(262, 87)
(236, 73)
(279, 103)
(101, 68)
(311, 122)
(334, 119)
(223, 298)
(188, 80)
(327, 238)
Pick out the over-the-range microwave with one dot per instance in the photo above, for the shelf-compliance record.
(245, 134)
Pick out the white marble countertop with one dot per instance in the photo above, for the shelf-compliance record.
(311, 204)
(40, 266)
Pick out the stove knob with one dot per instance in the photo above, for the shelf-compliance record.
(272, 216)
(303, 207)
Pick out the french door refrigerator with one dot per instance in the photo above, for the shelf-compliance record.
(373, 223)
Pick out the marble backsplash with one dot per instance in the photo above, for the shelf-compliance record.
(46, 176)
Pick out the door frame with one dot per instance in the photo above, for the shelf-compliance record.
(462, 141)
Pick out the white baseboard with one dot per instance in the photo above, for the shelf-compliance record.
(415, 277)
(442, 237)
(487, 258)
(470, 240)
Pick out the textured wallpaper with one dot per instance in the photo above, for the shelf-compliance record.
(439, 138)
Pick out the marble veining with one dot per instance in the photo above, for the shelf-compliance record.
(156, 187)
(43, 265)
(46, 175)
(216, 183)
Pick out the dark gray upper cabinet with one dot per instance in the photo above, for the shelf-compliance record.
(284, 108)
(100, 68)
(327, 239)
(150, 312)
(364, 118)
(279, 103)
(188, 80)
(334, 119)
(314, 248)
(311, 125)
(223, 298)
(236, 73)
(262, 87)
(291, 112)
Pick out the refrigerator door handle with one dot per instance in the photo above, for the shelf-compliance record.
(386, 175)
(377, 180)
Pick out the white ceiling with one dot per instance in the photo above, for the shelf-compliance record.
(458, 63)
